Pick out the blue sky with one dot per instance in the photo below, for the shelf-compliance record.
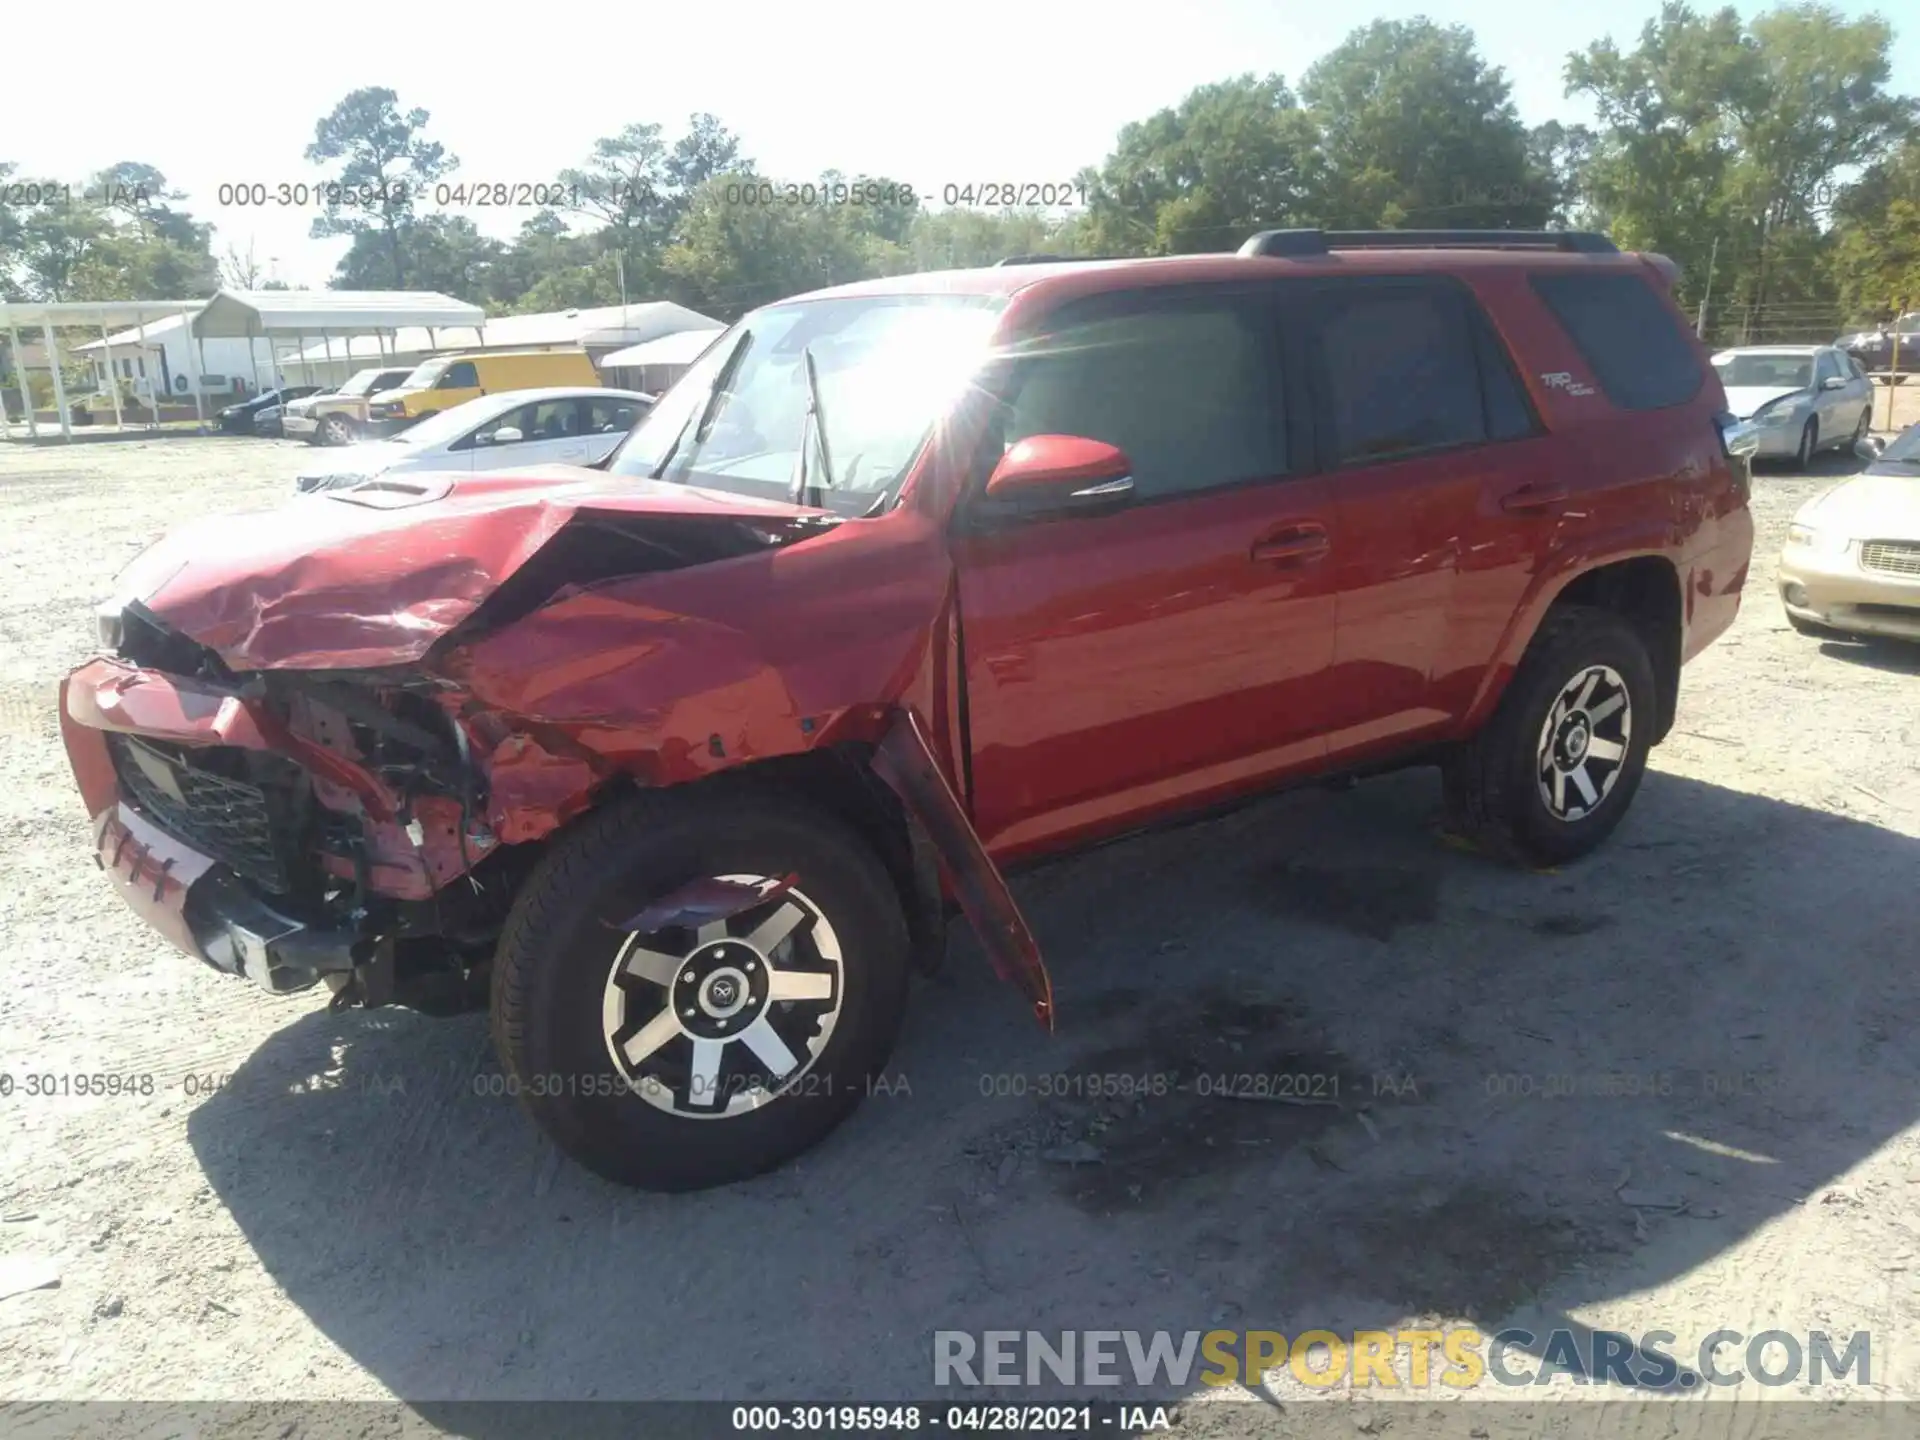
(992, 90)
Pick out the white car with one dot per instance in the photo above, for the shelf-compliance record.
(1851, 565)
(510, 429)
(1800, 398)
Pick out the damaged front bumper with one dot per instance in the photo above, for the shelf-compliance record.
(207, 911)
(201, 902)
(200, 905)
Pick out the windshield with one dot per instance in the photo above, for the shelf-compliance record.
(888, 366)
(1772, 372)
(445, 426)
(361, 382)
(425, 374)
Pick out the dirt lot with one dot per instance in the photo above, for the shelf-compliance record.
(330, 1206)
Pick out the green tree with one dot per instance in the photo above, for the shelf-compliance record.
(385, 163)
(1725, 143)
(1230, 158)
(639, 189)
(1876, 260)
(1826, 111)
(544, 253)
(732, 256)
(1666, 151)
(1418, 131)
(958, 239)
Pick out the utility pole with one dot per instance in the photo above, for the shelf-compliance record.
(1700, 325)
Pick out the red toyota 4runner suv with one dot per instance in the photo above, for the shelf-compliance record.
(681, 765)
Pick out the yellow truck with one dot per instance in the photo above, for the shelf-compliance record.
(449, 380)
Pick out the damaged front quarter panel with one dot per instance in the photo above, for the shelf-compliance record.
(474, 675)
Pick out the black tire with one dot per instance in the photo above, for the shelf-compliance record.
(334, 430)
(1494, 784)
(1861, 430)
(558, 950)
(1809, 444)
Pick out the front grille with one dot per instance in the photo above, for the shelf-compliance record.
(243, 825)
(1892, 557)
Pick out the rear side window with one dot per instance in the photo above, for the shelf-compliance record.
(1186, 388)
(1630, 338)
(1401, 372)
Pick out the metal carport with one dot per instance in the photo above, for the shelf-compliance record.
(236, 314)
(305, 315)
(70, 314)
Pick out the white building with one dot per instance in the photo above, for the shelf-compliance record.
(597, 330)
(154, 358)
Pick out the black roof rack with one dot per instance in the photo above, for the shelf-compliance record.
(1320, 242)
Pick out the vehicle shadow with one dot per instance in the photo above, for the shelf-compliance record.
(1505, 1059)
(1827, 465)
(1896, 657)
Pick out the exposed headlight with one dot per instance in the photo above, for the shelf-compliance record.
(1780, 413)
(106, 624)
(1820, 542)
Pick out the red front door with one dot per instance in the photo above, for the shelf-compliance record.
(1129, 664)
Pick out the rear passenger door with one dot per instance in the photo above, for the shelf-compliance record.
(1127, 664)
(1429, 446)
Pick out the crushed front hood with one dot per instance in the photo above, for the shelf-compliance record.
(1743, 400)
(374, 575)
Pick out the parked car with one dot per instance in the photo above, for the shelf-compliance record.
(1851, 564)
(1801, 398)
(1874, 349)
(449, 380)
(515, 428)
(679, 766)
(338, 417)
(261, 414)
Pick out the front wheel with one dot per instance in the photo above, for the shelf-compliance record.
(1553, 772)
(1809, 443)
(695, 1051)
(335, 430)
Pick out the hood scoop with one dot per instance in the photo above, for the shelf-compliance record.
(397, 494)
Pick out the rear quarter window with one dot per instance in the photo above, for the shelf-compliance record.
(1628, 335)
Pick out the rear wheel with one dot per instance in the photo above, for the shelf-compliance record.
(697, 1051)
(1553, 772)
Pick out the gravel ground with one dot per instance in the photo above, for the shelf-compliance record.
(312, 1206)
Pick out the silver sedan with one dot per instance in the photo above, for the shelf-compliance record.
(1802, 399)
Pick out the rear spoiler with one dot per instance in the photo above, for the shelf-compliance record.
(1665, 267)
